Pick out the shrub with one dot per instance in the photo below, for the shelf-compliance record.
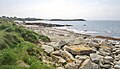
(44, 38)
(8, 57)
(18, 44)
(12, 67)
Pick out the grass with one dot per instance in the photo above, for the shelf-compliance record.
(19, 44)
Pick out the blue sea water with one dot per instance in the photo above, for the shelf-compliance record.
(92, 27)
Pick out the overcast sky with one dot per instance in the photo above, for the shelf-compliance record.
(86, 9)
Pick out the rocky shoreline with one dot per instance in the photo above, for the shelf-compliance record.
(68, 50)
(47, 24)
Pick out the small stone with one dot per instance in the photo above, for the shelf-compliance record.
(53, 44)
(77, 42)
(87, 64)
(58, 59)
(95, 57)
(95, 66)
(73, 65)
(117, 62)
(54, 58)
(47, 48)
(108, 58)
(57, 53)
(103, 53)
(107, 66)
(60, 68)
(61, 43)
(117, 46)
(117, 51)
(61, 60)
(107, 62)
(96, 45)
(66, 55)
(117, 66)
(82, 57)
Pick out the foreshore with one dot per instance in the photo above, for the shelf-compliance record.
(69, 50)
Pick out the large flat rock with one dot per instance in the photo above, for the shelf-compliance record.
(80, 50)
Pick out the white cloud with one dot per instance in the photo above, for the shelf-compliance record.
(65, 9)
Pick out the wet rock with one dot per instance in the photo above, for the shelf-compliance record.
(87, 64)
(79, 50)
(73, 65)
(82, 57)
(47, 48)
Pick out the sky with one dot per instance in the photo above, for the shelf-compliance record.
(66, 9)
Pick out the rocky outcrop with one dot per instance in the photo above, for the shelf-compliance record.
(82, 52)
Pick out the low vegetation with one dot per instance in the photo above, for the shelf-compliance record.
(18, 48)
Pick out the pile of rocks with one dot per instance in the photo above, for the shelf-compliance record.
(84, 54)
(73, 51)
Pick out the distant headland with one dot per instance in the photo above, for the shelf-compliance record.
(67, 20)
(36, 19)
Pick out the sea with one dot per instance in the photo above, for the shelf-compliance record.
(109, 28)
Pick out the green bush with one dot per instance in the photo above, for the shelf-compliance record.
(12, 67)
(9, 40)
(8, 57)
(44, 38)
(19, 44)
(27, 35)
